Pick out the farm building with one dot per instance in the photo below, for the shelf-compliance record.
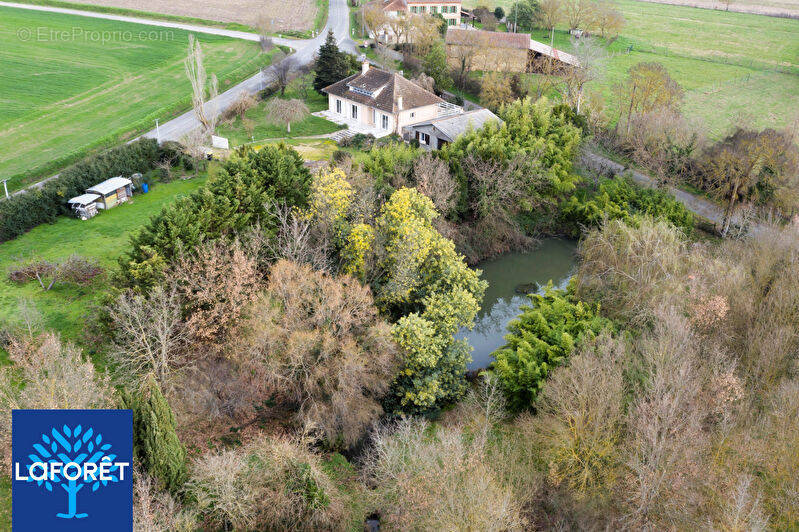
(112, 192)
(435, 134)
(498, 51)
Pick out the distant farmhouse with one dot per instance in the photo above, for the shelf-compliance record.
(499, 51)
(436, 133)
(380, 103)
(397, 10)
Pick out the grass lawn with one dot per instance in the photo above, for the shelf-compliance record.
(262, 130)
(731, 65)
(62, 95)
(103, 237)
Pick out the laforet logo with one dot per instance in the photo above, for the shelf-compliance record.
(72, 470)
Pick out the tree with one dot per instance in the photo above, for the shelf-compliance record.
(400, 26)
(280, 111)
(522, 15)
(540, 339)
(426, 33)
(243, 103)
(550, 13)
(195, 71)
(499, 12)
(748, 166)
(648, 87)
(331, 65)
(434, 65)
(67, 445)
(579, 14)
(591, 57)
(74, 270)
(267, 26)
(496, 90)
(609, 20)
(375, 19)
(282, 67)
(155, 441)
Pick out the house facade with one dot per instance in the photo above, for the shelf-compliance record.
(450, 10)
(381, 102)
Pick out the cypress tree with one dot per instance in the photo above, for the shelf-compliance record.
(332, 64)
(155, 440)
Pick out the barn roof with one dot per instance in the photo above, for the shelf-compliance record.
(110, 185)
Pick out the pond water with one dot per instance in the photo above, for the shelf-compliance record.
(509, 278)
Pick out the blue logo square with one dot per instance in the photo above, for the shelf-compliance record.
(71, 470)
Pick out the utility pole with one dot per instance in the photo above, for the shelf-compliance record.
(157, 132)
(5, 187)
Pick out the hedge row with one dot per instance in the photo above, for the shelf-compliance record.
(23, 212)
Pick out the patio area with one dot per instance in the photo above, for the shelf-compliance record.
(352, 125)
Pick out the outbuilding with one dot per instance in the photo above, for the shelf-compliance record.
(84, 206)
(112, 192)
(435, 134)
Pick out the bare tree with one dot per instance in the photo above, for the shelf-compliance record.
(550, 13)
(591, 57)
(282, 68)
(297, 240)
(375, 19)
(579, 14)
(243, 103)
(279, 111)
(609, 20)
(204, 110)
(149, 336)
(267, 26)
(648, 87)
(434, 180)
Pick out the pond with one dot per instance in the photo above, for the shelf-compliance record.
(509, 278)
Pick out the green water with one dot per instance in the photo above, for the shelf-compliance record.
(509, 277)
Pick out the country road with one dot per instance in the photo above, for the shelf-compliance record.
(305, 49)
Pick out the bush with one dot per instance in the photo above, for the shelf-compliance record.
(540, 339)
(320, 342)
(74, 270)
(231, 201)
(266, 485)
(155, 442)
(23, 212)
(622, 199)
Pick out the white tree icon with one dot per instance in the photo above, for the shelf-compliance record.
(70, 446)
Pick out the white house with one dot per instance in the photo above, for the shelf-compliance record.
(381, 103)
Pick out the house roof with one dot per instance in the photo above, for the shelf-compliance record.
(456, 125)
(402, 5)
(84, 199)
(497, 39)
(382, 90)
(109, 185)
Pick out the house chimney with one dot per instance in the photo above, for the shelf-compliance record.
(399, 103)
(364, 67)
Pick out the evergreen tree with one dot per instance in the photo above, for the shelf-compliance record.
(332, 64)
(155, 441)
(434, 65)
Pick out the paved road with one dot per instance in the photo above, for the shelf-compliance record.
(175, 129)
(338, 20)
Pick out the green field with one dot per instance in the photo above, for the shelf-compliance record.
(731, 65)
(62, 95)
(263, 131)
(103, 237)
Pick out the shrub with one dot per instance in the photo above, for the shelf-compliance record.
(320, 342)
(266, 485)
(54, 375)
(155, 510)
(622, 199)
(390, 166)
(74, 270)
(540, 339)
(155, 442)
(231, 201)
(23, 212)
(437, 481)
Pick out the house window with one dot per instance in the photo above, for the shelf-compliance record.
(450, 22)
(413, 114)
(413, 9)
(384, 122)
(355, 111)
(338, 106)
(424, 138)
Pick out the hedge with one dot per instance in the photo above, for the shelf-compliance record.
(25, 211)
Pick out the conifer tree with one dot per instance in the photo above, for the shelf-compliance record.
(332, 64)
(155, 440)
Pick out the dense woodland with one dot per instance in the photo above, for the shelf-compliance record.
(285, 340)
